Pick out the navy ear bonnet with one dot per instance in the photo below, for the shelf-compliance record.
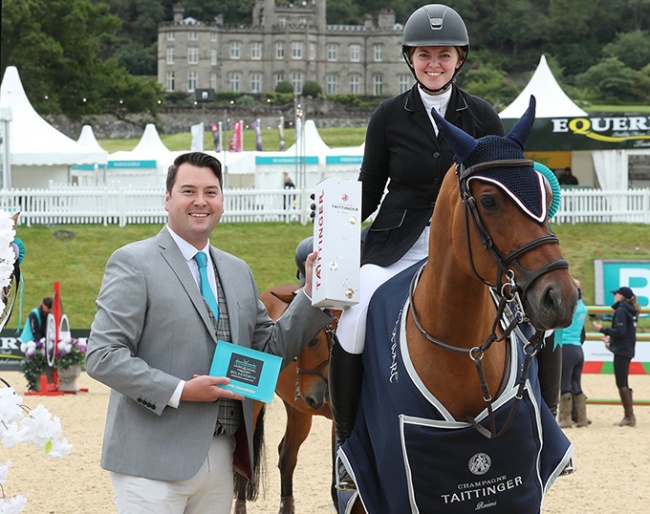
(519, 180)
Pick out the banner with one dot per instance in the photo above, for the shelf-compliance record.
(197, 137)
(237, 139)
(258, 135)
(597, 132)
(216, 136)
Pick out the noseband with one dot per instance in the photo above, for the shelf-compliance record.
(330, 330)
(508, 295)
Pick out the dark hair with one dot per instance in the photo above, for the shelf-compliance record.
(48, 301)
(200, 159)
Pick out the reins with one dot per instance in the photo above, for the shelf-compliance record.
(330, 330)
(508, 298)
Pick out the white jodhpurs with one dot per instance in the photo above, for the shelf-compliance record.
(351, 330)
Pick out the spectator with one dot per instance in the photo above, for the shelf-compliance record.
(621, 341)
(567, 178)
(35, 327)
(573, 359)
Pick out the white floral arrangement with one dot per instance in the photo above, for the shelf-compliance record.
(19, 424)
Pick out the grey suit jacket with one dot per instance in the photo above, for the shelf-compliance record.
(152, 329)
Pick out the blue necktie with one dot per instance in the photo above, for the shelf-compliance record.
(202, 261)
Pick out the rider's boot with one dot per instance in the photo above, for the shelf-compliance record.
(345, 373)
(549, 362)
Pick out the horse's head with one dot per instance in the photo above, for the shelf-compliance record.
(312, 363)
(507, 202)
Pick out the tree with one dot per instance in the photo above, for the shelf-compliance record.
(631, 48)
(59, 62)
(312, 89)
(613, 82)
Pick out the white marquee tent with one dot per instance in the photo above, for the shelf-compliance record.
(37, 153)
(609, 166)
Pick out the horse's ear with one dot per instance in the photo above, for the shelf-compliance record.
(521, 131)
(461, 142)
(15, 218)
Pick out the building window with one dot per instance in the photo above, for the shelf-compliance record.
(378, 51)
(354, 84)
(213, 37)
(331, 52)
(169, 81)
(312, 51)
(355, 53)
(213, 80)
(282, 21)
(234, 50)
(193, 35)
(213, 57)
(256, 83)
(404, 83)
(296, 82)
(377, 85)
(279, 50)
(279, 77)
(296, 50)
(330, 81)
(192, 81)
(192, 55)
(171, 36)
(302, 22)
(256, 50)
(170, 56)
(235, 81)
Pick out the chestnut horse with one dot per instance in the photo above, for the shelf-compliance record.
(451, 417)
(303, 388)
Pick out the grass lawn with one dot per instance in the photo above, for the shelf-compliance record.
(75, 256)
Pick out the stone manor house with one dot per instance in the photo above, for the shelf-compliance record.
(289, 42)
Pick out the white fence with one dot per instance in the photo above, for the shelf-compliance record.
(109, 206)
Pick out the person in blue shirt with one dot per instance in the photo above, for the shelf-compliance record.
(34, 329)
(573, 360)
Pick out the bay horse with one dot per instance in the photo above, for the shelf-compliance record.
(451, 417)
(303, 388)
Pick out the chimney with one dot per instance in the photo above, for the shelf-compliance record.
(179, 12)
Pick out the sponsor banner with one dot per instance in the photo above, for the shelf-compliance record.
(597, 132)
(344, 159)
(262, 160)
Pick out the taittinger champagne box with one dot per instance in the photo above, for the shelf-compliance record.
(337, 237)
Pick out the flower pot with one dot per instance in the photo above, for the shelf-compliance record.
(68, 378)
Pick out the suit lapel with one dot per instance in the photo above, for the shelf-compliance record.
(416, 108)
(174, 258)
(229, 292)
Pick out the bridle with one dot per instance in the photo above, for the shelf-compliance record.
(509, 295)
(330, 331)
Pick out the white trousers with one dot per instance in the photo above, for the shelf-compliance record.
(209, 491)
(351, 330)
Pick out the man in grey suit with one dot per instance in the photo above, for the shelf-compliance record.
(173, 437)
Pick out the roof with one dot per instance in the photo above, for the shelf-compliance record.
(32, 140)
(552, 101)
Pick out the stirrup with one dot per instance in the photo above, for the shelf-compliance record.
(344, 482)
(569, 469)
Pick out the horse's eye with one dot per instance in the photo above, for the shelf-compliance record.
(313, 342)
(488, 202)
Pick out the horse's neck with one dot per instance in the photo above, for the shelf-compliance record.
(456, 309)
(452, 306)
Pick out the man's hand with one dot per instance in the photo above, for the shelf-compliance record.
(204, 388)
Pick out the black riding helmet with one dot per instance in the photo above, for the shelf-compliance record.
(434, 25)
(304, 248)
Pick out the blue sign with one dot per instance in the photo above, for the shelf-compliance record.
(611, 274)
(343, 159)
(288, 160)
(122, 165)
